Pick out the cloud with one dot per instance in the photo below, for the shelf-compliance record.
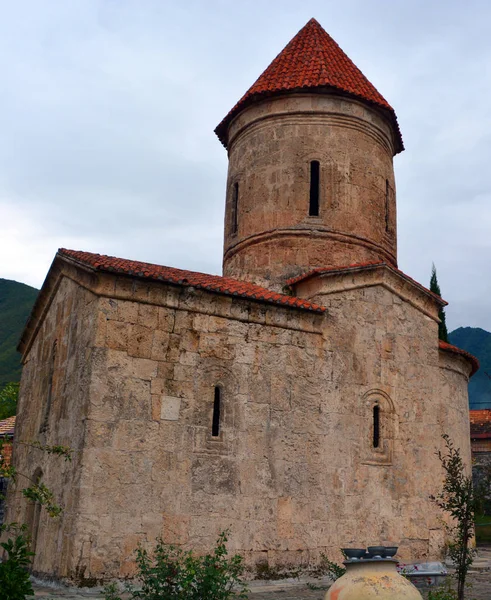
(109, 108)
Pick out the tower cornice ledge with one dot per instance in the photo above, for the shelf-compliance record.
(307, 230)
(319, 283)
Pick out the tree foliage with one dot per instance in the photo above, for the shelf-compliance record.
(458, 500)
(16, 301)
(15, 583)
(8, 400)
(435, 288)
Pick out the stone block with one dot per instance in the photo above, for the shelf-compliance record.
(140, 340)
(160, 345)
(117, 335)
(170, 407)
(148, 315)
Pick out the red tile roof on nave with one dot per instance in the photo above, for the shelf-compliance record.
(312, 61)
(212, 283)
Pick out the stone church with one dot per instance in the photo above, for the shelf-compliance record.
(297, 400)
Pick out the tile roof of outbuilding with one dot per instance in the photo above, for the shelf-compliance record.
(211, 283)
(7, 427)
(480, 423)
(312, 61)
(472, 359)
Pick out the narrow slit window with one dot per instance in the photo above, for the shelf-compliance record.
(314, 188)
(376, 426)
(215, 425)
(387, 193)
(235, 208)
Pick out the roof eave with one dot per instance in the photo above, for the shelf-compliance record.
(222, 128)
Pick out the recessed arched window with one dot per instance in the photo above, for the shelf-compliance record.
(387, 194)
(376, 426)
(235, 208)
(215, 423)
(314, 188)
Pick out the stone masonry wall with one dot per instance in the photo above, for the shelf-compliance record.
(153, 467)
(53, 404)
(385, 343)
(294, 472)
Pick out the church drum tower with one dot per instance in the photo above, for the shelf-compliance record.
(310, 179)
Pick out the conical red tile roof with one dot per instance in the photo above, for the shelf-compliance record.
(311, 61)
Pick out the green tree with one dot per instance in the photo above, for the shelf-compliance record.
(435, 288)
(457, 499)
(8, 400)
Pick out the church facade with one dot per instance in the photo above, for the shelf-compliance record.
(298, 400)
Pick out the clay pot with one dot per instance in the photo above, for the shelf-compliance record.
(375, 579)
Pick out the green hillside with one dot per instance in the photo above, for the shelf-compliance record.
(16, 300)
(478, 342)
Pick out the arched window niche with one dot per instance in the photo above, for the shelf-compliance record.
(379, 422)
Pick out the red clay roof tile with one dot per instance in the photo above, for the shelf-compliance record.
(312, 61)
(480, 423)
(212, 283)
(7, 426)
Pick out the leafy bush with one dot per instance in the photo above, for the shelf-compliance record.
(331, 569)
(14, 574)
(8, 400)
(444, 592)
(172, 573)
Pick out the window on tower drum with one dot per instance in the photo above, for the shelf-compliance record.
(387, 202)
(314, 188)
(235, 207)
(376, 426)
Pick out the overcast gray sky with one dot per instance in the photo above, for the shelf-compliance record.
(108, 109)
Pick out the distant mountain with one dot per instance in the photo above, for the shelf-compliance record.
(478, 342)
(16, 301)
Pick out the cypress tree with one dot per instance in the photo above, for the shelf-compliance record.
(435, 288)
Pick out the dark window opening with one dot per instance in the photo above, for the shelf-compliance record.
(235, 208)
(314, 188)
(215, 425)
(387, 193)
(376, 426)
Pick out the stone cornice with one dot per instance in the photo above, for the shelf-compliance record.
(131, 288)
(319, 283)
(309, 232)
